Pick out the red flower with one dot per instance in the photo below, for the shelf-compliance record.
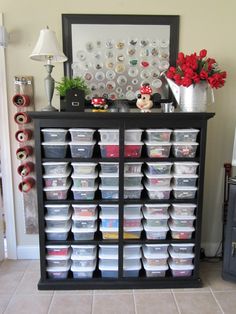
(203, 74)
(203, 53)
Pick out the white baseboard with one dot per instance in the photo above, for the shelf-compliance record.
(27, 252)
(210, 248)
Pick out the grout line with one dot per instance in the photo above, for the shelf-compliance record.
(217, 302)
(50, 304)
(92, 309)
(176, 302)
(135, 305)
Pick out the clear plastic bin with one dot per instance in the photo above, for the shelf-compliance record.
(185, 179)
(84, 221)
(158, 193)
(182, 233)
(132, 232)
(84, 180)
(109, 167)
(133, 135)
(155, 259)
(109, 209)
(109, 269)
(155, 271)
(132, 209)
(84, 167)
(55, 168)
(133, 149)
(109, 179)
(109, 150)
(158, 135)
(54, 135)
(84, 210)
(155, 233)
(156, 248)
(158, 150)
(83, 272)
(181, 258)
(84, 250)
(58, 261)
(131, 250)
(156, 209)
(185, 167)
(131, 267)
(158, 179)
(109, 135)
(185, 135)
(57, 273)
(84, 193)
(59, 234)
(57, 221)
(58, 250)
(187, 149)
(55, 149)
(83, 260)
(183, 209)
(56, 193)
(182, 247)
(56, 180)
(82, 234)
(133, 192)
(109, 192)
(133, 179)
(108, 250)
(132, 167)
(109, 232)
(159, 167)
(184, 192)
(81, 135)
(182, 221)
(109, 221)
(57, 210)
(181, 270)
(155, 220)
(132, 220)
(82, 149)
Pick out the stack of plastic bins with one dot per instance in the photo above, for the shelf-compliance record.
(133, 143)
(82, 143)
(109, 221)
(109, 144)
(132, 221)
(131, 261)
(83, 260)
(158, 143)
(54, 143)
(132, 180)
(155, 222)
(181, 259)
(108, 260)
(58, 261)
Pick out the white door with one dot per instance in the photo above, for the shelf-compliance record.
(1, 221)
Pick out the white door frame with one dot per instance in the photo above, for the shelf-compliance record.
(6, 160)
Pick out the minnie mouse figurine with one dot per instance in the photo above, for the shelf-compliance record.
(144, 100)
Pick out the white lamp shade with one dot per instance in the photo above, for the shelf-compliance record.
(47, 47)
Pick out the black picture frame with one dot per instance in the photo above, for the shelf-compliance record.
(144, 20)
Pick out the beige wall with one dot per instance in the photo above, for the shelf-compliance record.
(203, 24)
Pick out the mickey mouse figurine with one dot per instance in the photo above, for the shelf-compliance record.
(144, 100)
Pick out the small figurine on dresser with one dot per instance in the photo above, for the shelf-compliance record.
(144, 100)
(99, 104)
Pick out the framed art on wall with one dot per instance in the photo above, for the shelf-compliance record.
(116, 54)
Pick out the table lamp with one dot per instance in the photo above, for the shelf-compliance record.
(47, 50)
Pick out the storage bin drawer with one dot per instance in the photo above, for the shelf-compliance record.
(184, 149)
(82, 149)
(185, 135)
(158, 135)
(81, 135)
(55, 149)
(54, 135)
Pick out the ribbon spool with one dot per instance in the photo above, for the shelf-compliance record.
(25, 169)
(26, 185)
(23, 152)
(20, 100)
(22, 118)
(23, 135)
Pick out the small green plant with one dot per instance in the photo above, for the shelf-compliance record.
(67, 84)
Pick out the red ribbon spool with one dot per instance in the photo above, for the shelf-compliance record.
(23, 135)
(23, 152)
(22, 118)
(25, 169)
(20, 100)
(26, 185)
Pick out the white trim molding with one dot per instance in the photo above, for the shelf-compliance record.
(28, 252)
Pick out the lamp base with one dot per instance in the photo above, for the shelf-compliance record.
(49, 108)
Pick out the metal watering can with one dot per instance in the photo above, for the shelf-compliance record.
(193, 98)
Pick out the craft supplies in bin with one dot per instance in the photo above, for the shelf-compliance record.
(185, 167)
(55, 168)
(109, 209)
(109, 167)
(83, 272)
(84, 168)
(82, 234)
(109, 268)
(109, 135)
(54, 221)
(56, 180)
(58, 260)
(109, 220)
(57, 273)
(83, 260)
(184, 149)
(182, 221)
(181, 270)
(58, 250)
(155, 271)
(84, 210)
(81, 134)
(132, 209)
(158, 193)
(84, 180)
(158, 180)
(108, 251)
(57, 192)
(184, 192)
(133, 135)
(181, 258)
(109, 192)
(132, 167)
(182, 233)
(157, 220)
(155, 248)
(54, 149)
(84, 193)
(182, 247)
(131, 250)
(154, 259)
(54, 135)
(57, 209)
(155, 209)
(158, 135)
(131, 267)
(133, 192)
(155, 233)
(183, 209)
(185, 179)
(109, 179)
(133, 149)
(132, 220)
(185, 135)
(58, 234)
(109, 150)
(82, 149)
(84, 221)
(133, 179)
(158, 150)
(159, 167)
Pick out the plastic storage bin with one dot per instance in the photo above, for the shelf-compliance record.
(183, 192)
(109, 179)
(58, 250)
(155, 233)
(182, 247)
(183, 209)
(84, 193)
(55, 149)
(84, 180)
(133, 135)
(54, 135)
(182, 221)
(83, 260)
(158, 193)
(185, 135)
(84, 168)
(84, 210)
(158, 179)
(133, 192)
(109, 232)
(109, 135)
(108, 251)
(181, 270)
(55, 168)
(84, 233)
(133, 149)
(182, 233)
(83, 272)
(185, 167)
(132, 167)
(82, 149)
(131, 250)
(58, 261)
(155, 220)
(56, 193)
(132, 220)
(109, 209)
(109, 221)
(84, 250)
(131, 267)
(159, 167)
(184, 149)
(155, 271)
(57, 272)
(56, 180)
(109, 192)
(156, 209)
(109, 150)
(132, 209)
(185, 179)
(181, 258)
(109, 167)
(109, 269)
(57, 210)
(59, 234)
(81, 135)
(57, 221)
(84, 221)
(158, 150)
(155, 259)
(158, 135)
(156, 248)
(133, 179)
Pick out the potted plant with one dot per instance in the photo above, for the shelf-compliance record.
(72, 93)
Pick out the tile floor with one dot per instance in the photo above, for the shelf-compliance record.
(19, 294)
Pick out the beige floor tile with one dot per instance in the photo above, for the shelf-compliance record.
(227, 301)
(28, 284)
(138, 291)
(210, 265)
(115, 304)
(25, 304)
(14, 265)
(113, 291)
(153, 303)
(33, 266)
(71, 304)
(9, 281)
(197, 303)
(4, 300)
(65, 292)
(216, 282)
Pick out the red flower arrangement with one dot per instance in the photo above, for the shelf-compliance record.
(192, 69)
